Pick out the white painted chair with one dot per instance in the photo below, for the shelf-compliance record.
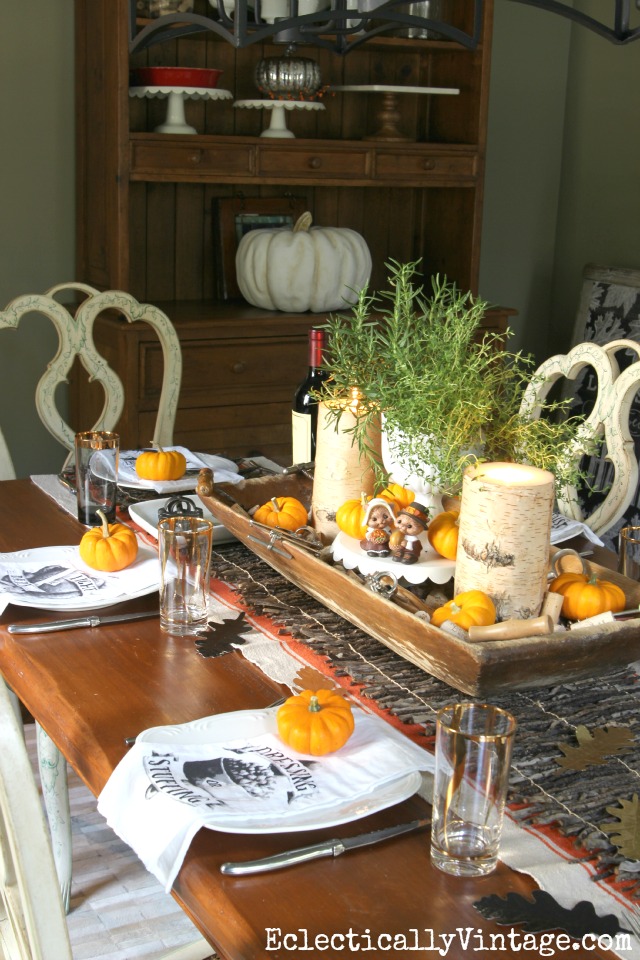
(6, 463)
(608, 422)
(75, 339)
(32, 916)
(74, 326)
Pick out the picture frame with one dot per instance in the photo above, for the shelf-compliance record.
(233, 218)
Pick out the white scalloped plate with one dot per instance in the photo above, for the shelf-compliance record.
(430, 566)
(251, 723)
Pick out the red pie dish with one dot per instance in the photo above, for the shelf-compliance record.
(174, 77)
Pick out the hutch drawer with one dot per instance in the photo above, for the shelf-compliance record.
(298, 163)
(193, 158)
(433, 166)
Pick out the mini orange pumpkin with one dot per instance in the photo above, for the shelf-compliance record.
(471, 608)
(109, 547)
(585, 595)
(442, 533)
(397, 495)
(161, 464)
(284, 512)
(315, 722)
(350, 517)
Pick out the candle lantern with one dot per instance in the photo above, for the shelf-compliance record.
(504, 536)
(341, 472)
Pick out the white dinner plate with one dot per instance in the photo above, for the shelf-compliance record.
(137, 580)
(251, 723)
(146, 515)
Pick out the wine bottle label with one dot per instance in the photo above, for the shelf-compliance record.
(301, 436)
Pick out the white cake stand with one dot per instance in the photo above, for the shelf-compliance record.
(175, 121)
(389, 115)
(278, 125)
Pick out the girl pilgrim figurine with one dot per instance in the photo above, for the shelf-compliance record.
(379, 518)
(405, 539)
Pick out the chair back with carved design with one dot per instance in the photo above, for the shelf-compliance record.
(607, 423)
(74, 327)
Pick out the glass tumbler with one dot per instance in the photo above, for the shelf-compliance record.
(473, 754)
(97, 454)
(184, 549)
(629, 553)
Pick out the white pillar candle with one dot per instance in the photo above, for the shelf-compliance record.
(340, 472)
(504, 536)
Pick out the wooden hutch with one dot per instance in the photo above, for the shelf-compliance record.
(147, 202)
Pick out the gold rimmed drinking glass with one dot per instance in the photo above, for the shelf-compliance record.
(473, 755)
(629, 553)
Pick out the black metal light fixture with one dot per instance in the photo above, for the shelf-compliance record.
(342, 25)
(619, 30)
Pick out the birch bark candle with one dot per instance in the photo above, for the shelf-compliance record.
(340, 472)
(504, 536)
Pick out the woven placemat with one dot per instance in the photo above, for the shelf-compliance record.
(568, 804)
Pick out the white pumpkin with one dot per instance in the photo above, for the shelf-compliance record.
(302, 268)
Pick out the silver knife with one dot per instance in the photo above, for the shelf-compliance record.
(327, 848)
(51, 625)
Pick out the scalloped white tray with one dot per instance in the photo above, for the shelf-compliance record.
(430, 566)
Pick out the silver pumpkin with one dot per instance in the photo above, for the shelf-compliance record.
(287, 76)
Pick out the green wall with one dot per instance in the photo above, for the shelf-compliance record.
(599, 210)
(563, 166)
(530, 55)
(37, 206)
(562, 182)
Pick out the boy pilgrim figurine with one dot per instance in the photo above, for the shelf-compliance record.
(405, 539)
(379, 519)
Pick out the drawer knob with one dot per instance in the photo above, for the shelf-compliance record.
(429, 165)
(315, 162)
(196, 157)
(239, 367)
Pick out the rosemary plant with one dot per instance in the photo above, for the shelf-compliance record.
(447, 396)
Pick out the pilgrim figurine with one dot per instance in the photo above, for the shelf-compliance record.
(405, 540)
(379, 519)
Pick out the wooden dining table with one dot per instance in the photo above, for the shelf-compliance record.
(92, 688)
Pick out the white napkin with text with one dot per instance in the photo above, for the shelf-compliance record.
(163, 792)
(564, 528)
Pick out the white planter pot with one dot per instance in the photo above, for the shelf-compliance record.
(422, 480)
(424, 484)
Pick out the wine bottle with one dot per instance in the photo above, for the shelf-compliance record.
(304, 415)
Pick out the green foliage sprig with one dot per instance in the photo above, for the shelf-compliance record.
(448, 396)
